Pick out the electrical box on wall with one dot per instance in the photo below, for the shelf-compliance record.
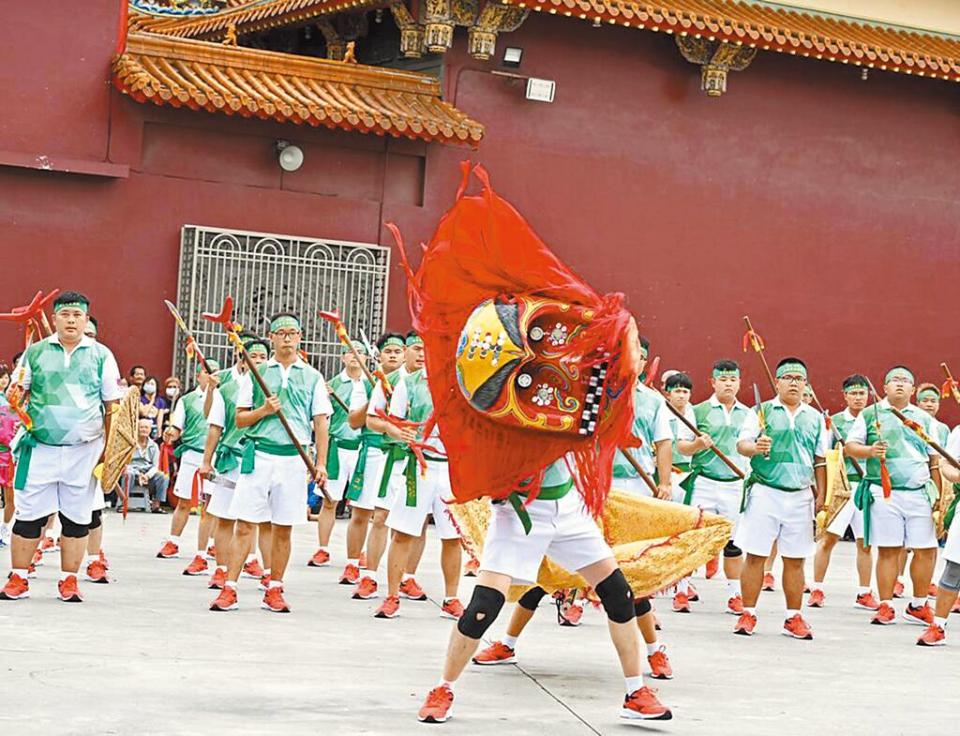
(541, 90)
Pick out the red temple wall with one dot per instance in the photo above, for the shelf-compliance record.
(819, 203)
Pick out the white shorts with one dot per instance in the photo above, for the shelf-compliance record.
(632, 485)
(189, 464)
(59, 480)
(951, 551)
(562, 530)
(850, 516)
(348, 461)
(785, 517)
(99, 501)
(431, 492)
(719, 497)
(905, 520)
(221, 494)
(675, 480)
(369, 498)
(276, 491)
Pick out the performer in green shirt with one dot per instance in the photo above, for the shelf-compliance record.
(786, 441)
(69, 382)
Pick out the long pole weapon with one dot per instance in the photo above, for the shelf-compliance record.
(375, 377)
(191, 340)
(885, 483)
(752, 339)
(716, 450)
(644, 475)
(950, 387)
(225, 318)
(761, 417)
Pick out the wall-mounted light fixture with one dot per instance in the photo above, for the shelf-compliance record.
(512, 56)
(289, 156)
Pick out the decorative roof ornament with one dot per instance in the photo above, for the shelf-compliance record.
(715, 59)
(178, 8)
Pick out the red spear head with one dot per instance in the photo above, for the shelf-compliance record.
(225, 315)
(26, 313)
(332, 316)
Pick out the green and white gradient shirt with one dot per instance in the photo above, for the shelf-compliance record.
(908, 457)
(651, 423)
(303, 396)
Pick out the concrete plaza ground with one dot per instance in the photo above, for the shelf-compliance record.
(144, 656)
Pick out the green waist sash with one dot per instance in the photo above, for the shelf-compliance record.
(25, 446)
(547, 493)
(181, 448)
(249, 448)
(227, 458)
(333, 454)
(863, 500)
(753, 479)
(368, 441)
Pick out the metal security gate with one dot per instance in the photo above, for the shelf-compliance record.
(267, 273)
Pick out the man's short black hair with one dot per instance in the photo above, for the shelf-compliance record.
(69, 297)
(644, 343)
(678, 380)
(247, 335)
(382, 340)
(93, 320)
(855, 379)
(726, 365)
(412, 333)
(16, 358)
(133, 369)
(791, 360)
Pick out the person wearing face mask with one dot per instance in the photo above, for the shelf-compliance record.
(152, 406)
(171, 391)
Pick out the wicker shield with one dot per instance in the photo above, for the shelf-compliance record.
(122, 440)
(656, 543)
(839, 492)
(943, 506)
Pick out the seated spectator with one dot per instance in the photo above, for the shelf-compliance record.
(153, 407)
(138, 374)
(144, 469)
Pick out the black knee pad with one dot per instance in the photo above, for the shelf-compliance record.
(481, 612)
(95, 520)
(732, 550)
(72, 529)
(30, 529)
(531, 599)
(616, 597)
(642, 606)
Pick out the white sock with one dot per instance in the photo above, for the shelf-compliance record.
(918, 602)
(863, 590)
(175, 540)
(355, 562)
(733, 588)
(445, 683)
(21, 573)
(324, 549)
(87, 559)
(232, 584)
(64, 574)
(632, 684)
(447, 599)
(683, 586)
(266, 571)
(817, 586)
(276, 584)
(222, 567)
(751, 611)
(201, 553)
(250, 558)
(888, 602)
(941, 622)
(50, 534)
(791, 612)
(406, 576)
(654, 648)
(510, 641)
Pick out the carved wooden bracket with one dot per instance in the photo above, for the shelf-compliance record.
(433, 32)
(715, 59)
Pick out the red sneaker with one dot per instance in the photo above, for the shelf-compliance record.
(735, 605)
(660, 668)
(643, 704)
(471, 569)
(438, 707)
(571, 616)
(197, 566)
(692, 595)
(96, 572)
(366, 589)
(37, 560)
(745, 624)
(933, 636)
(226, 601)
(31, 571)
(321, 558)
(681, 603)
(351, 574)
(211, 553)
(797, 628)
(17, 588)
(103, 559)
(362, 561)
(713, 567)
(867, 601)
(932, 591)
(252, 569)
(816, 598)
(885, 615)
(919, 615)
(264, 583)
(48, 545)
(273, 600)
(168, 550)
(390, 608)
(67, 590)
(898, 590)
(451, 608)
(496, 653)
(410, 589)
(218, 580)
(768, 581)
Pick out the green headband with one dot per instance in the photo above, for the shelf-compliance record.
(414, 340)
(717, 373)
(929, 391)
(71, 305)
(92, 328)
(894, 372)
(256, 347)
(285, 320)
(796, 368)
(855, 387)
(214, 365)
(356, 345)
(393, 340)
(644, 352)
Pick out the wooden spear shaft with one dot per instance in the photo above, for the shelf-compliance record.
(644, 475)
(759, 351)
(716, 450)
